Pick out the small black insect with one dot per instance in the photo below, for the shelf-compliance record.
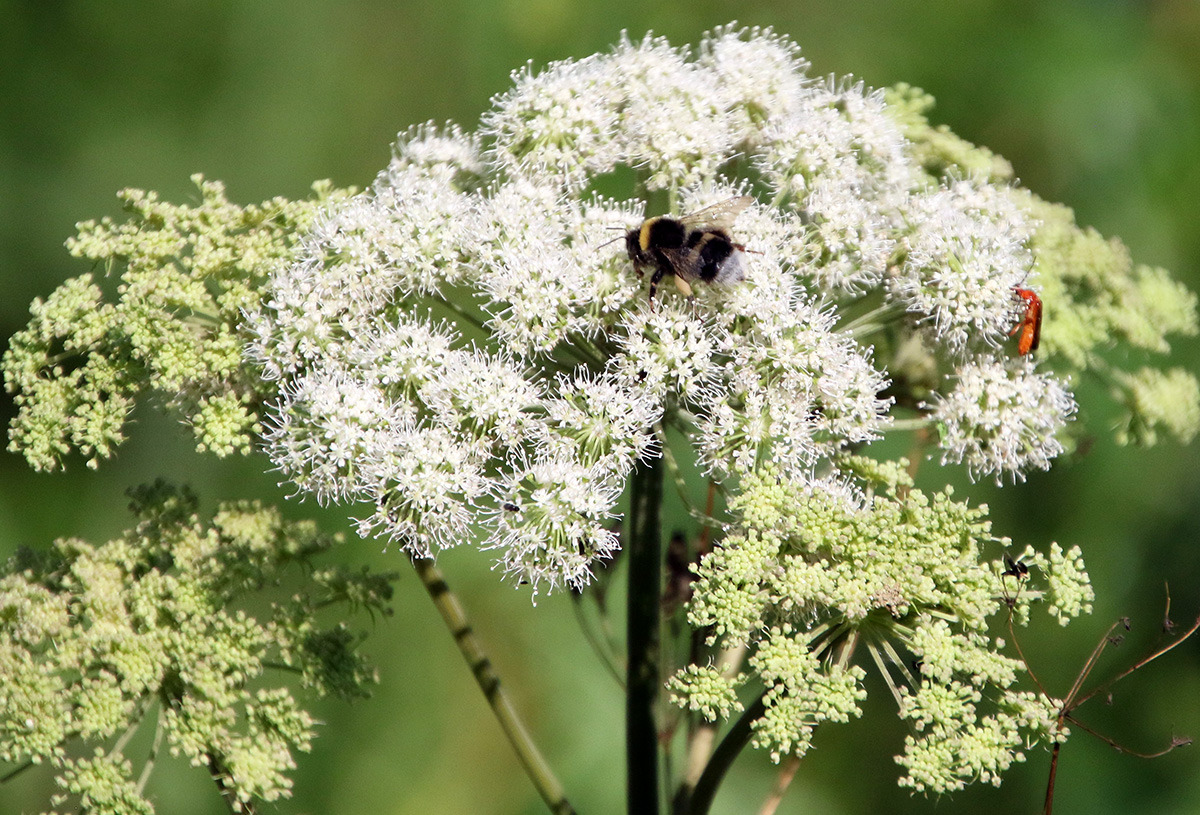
(1014, 568)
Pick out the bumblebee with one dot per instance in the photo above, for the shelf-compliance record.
(691, 247)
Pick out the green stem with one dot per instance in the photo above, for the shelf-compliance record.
(723, 757)
(605, 655)
(642, 621)
(459, 311)
(148, 768)
(536, 767)
(15, 772)
(917, 423)
(279, 666)
(681, 485)
(871, 321)
(145, 703)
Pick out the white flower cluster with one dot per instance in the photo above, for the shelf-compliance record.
(460, 349)
(1001, 417)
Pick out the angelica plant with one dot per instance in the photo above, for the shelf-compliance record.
(464, 351)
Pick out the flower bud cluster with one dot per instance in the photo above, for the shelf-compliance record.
(99, 637)
(175, 334)
(812, 571)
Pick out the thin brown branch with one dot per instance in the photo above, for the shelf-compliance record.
(1012, 636)
(1176, 741)
(1048, 807)
(783, 780)
(1139, 664)
(1073, 699)
(1070, 701)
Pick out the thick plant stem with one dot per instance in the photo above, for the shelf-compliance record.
(644, 553)
(531, 759)
(722, 759)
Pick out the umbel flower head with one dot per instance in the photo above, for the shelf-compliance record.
(464, 350)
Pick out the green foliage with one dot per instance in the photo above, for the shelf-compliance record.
(95, 640)
(176, 331)
(1158, 399)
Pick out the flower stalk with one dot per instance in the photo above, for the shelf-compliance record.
(644, 602)
(455, 617)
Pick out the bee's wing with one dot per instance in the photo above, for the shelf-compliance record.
(685, 265)
(681, 261)
(720, 215)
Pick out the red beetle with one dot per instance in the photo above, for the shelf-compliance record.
(1030, 327)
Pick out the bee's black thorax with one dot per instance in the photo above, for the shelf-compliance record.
(645, 244)
(661, 233)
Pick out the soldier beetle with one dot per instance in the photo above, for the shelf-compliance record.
(1030, 327)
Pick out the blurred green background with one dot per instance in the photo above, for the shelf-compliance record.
(1096, 103)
